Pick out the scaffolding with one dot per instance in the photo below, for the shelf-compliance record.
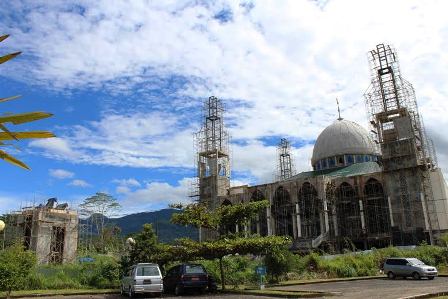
(51, 231)
(282, 210)
(259, 224)
(310, 207)
(408, 155)
(285, 163)
(212, 154)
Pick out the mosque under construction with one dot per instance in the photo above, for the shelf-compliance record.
(366, 189)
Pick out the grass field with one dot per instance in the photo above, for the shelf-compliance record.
(59, 292)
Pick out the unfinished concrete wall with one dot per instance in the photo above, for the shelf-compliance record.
(51, 233)
(440, 197)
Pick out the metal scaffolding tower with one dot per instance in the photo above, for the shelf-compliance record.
(285, 164)
(407, 154)
(212, 154)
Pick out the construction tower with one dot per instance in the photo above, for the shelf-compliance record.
(212, 157)
(285, 164)
(407, 155)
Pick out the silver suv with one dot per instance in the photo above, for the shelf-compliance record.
(411, 267)
(142, 278)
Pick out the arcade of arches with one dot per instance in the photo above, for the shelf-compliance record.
(346, 213)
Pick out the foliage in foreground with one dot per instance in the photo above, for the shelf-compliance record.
(366, 263)
(103, 273)
(16, 265)
(219, 222)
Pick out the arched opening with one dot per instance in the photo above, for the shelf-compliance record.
(348, 214)
(282, 211)
(229, 228)
(310, 211)
(259, 225)
(376, 209)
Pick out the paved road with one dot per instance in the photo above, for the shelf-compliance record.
(189, 296)
(376, 288)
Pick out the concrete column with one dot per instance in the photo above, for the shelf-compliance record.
(298, 221)
(268, 220)
(361, 212)
(390, 211)
(335, 224)
(294, 226)
(327, 224)
(425, 211)
(322, 222)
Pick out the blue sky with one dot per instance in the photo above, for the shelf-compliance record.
(126, 81)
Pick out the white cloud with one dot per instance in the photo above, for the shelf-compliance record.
(127, 182)
(61, 174)
(279, 64)
(56, 148)
(157, 194)
(79, 183)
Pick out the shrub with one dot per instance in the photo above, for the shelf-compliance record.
(278, 262)
(240, 270)
(104, 272)
(16, 265)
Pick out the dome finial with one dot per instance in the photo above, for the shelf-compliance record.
(339, 110)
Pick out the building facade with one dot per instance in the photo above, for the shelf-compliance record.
(367, 189)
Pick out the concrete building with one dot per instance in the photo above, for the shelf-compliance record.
(50, 230)
(367, 189)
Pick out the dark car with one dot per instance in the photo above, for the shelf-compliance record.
(188, 277)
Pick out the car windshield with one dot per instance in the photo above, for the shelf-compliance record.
(416, 262)
(148, 271)
(194, 269)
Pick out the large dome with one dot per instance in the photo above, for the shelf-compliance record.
(343, 137)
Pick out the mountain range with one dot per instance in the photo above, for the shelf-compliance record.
(160, 220)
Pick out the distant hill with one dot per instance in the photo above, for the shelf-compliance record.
(160, 221)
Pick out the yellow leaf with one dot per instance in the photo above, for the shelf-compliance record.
(13, 160)
(9, 98)
(8, 57)
(25, 135)
(24, 117)
(3, 37)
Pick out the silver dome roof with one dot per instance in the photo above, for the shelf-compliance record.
(343, 137)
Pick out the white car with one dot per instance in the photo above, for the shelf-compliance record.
(408, 267)
(142, 278)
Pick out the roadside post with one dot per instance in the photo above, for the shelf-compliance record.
(261, 272)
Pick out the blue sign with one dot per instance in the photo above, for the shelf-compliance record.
(86, 259)
(260, 270)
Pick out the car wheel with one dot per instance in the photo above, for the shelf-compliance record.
(391, 275)
(431, 277)
(416, 276)
(178, 290)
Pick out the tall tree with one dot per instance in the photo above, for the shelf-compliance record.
(98, 208)
(226, 243)
(5, 133)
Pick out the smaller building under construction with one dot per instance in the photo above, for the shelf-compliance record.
(50, 230)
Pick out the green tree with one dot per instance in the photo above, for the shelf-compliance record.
(226, 243)
(16, 265)
(278, 261)
(98, 208)
(146, 248)
(444, 239)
